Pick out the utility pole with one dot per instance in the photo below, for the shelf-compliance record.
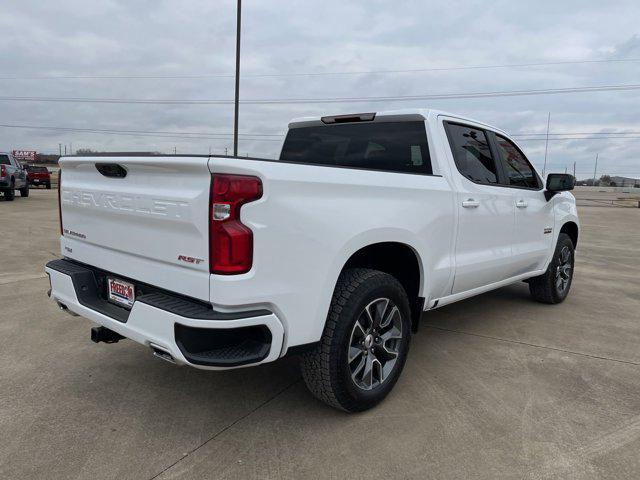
(175, 150)
(546, 146)
(226, 151)
(237, 97)
(65, 148)
(565, 169)
(574, 169)
(595, 169)
(209, 150)
(60, 148)
(70, 148)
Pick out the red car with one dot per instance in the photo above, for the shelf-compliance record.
(38, 176)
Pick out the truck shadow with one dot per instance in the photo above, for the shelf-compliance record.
(495, 306)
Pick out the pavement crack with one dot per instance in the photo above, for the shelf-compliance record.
(534, 345)
(231, 425)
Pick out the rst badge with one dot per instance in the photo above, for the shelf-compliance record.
(187, 259)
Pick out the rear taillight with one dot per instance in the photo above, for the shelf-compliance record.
(3, 171)
(230, 241)
(59, 202)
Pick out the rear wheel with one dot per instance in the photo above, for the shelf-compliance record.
(24, 191)
(364, 344)
(554, 284)
(10, 194)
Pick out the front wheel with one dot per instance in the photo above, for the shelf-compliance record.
(554, 284)
(364, 344)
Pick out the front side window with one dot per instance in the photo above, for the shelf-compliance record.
(519, 171)
(472, 154)
(388, 146)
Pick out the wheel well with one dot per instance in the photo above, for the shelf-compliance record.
(398, 260)
(571, 229)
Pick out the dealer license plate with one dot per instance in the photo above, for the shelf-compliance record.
(121, 293)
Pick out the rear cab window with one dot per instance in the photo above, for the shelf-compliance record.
(4, 160)
(472, 153)
(387, 146)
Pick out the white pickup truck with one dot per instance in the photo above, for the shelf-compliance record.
(332, 252)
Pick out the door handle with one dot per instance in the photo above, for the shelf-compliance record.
(470, 203)
(521, 204)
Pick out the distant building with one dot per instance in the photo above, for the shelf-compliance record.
(624, 182)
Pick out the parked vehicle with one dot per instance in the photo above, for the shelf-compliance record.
(12, 177)
(38, 176)
(332, 252)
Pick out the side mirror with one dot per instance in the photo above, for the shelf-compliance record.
(559, 182)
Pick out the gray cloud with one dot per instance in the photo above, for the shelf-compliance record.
(197, 37)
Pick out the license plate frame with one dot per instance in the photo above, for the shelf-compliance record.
(121, 292)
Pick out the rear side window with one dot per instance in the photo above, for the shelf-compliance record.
(472, 154)
(4, 160)
(395, 147)
(519, 171)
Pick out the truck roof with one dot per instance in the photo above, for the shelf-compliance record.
(400, 114)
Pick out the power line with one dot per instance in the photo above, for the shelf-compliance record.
(145, 133)
(574, 138)
(633, 132)
(312, 74)
(289, 101)
(275, 137)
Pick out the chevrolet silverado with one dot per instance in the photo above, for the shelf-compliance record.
(331, 252)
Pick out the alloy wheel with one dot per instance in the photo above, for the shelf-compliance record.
(563, 271)
(374, 345)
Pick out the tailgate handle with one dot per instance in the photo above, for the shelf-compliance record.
(112, 170)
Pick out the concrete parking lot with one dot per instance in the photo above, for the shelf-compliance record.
(495, 387)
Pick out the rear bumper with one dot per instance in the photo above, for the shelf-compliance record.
(189, 331)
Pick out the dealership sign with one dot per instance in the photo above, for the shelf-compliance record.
(25, 155)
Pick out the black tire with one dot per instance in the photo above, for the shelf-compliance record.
(24, 191)
(326, 368)
(547, 288)
(48, 186)
(10, 194)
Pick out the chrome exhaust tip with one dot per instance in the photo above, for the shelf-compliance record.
(64, 308)
(161, 353)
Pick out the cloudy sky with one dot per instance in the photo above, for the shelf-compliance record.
(184, 50)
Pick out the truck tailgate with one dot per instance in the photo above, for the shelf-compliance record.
(150, 225)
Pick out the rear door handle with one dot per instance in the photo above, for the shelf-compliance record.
(470, 203)
(521, 204)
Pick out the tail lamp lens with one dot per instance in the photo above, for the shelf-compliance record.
(3, 171)
(230, 241)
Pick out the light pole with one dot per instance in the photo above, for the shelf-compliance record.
(546, 146)
(237, 96)
(595, 169)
